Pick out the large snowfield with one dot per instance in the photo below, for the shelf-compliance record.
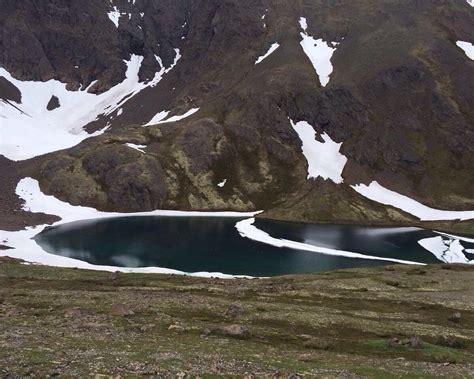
(28, 129)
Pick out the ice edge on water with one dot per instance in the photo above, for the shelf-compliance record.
(247, 229)
(24, 246)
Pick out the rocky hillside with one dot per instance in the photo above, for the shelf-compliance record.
(398, 100)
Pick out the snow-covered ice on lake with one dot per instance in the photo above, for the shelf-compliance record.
(467, 47)
(374, 191)
(324, 158)
(448, 250)
(460, 238)
(319, 53)
(272, 48)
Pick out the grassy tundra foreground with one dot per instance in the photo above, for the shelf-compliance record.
(400, 321)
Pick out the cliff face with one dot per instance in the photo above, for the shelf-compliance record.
(77, 42)
(399, 99)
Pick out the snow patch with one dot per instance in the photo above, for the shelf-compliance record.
(324, 158)
(247, 230)
(222, 184)
(263, 18)
(376, 192)
(319, 53)
(446, 250)
(303, 24)
(471, 2)
(158, 117)
(114, 16)
(272, 48)
(137, 147)
(24, 247)
(467, 47)
(30, 130)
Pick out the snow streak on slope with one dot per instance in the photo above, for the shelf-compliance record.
(467, 47)
(376, 192)
(114, 16)
(28, 129)
(471, 2)
(448, 250)
(319, 53)
(160, 118)
(248, 230)
(35, 201)
(324, 158)
(263, 18)
(272, 48)
(137, 147)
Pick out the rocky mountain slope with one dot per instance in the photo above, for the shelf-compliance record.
(398, 100)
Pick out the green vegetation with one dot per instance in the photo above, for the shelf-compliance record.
(351, 322)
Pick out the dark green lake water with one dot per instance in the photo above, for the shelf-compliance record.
(212, 244)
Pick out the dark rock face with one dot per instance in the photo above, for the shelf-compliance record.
(133, 181)
(137, 186)
(42, 40)
(53, 103)
(398, 100)
(8, 91)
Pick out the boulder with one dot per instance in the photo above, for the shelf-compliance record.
(234, 310)
(121, 310)
(74, 312)
(235, 331)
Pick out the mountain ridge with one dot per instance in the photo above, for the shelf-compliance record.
(417, 144)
